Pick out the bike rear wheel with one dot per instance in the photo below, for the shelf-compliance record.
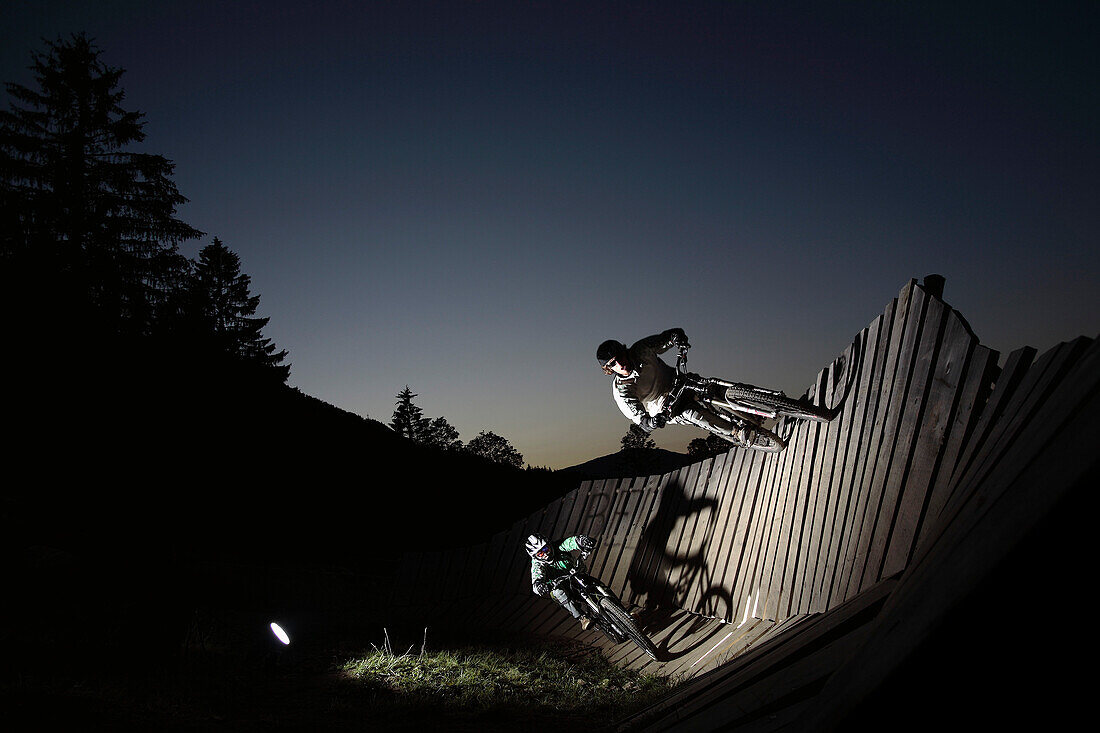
(781, 403)
(766, 441)
(762, 439)
(623, 620)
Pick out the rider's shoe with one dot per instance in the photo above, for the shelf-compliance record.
(585, 621)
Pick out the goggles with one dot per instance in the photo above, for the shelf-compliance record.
(543, 553)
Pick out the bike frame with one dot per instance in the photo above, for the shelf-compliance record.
(588, 586)
(685, 380)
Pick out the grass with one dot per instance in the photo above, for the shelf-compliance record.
(483, 685)
(548, 681)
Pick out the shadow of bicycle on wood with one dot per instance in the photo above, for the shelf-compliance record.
(669, 578)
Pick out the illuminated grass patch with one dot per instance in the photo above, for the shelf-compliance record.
(564, 679)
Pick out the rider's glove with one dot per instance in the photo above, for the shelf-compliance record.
(542, 588)
(586, 543)
(652, 422)
(679, 338)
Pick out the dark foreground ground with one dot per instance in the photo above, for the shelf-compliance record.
(230, 674)
(220, 695)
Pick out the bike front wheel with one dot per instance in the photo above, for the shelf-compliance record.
(622, 620)
(779, 402)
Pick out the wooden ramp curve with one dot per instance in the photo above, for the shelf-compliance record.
(938, 460)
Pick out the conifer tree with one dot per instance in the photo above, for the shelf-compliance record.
(226, 309)
(408, 420)
(76, 207)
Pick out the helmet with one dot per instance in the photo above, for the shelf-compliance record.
(535, 544)
(609, 350)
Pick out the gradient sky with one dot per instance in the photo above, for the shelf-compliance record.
(467, 197)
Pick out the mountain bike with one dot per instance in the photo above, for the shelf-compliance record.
(745, 405)
(604, 608)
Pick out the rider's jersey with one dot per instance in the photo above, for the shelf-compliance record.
(642, 392)
(562, 563)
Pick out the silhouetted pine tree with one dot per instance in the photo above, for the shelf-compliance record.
(408, 420)
(226, 309)
(88, 217)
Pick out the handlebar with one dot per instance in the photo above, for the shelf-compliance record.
(682, 359)
(679, 385)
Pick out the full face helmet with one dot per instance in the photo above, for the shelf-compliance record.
(539, 547)
(612, 350)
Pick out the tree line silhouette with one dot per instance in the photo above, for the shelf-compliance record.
(149, 406)
(90, 234)
(409, 422)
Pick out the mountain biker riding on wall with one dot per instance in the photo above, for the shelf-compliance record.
(643, 381)
(550, 560)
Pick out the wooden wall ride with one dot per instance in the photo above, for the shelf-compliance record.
(736, 548)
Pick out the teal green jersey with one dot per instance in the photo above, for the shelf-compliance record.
(557, 567)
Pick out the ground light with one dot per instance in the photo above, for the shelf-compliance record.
(279, 633)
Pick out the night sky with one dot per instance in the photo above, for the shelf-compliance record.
(467, 197)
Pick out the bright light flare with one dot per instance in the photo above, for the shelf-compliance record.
(279, 633)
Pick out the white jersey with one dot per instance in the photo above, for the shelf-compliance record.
(644, 390)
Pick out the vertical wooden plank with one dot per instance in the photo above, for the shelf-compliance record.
(816, 536)
(758, 577)
(597, 515)
(635, 552)
(848, 426)
(709, 529)
(897, 423)
(632, 489)
(648, 490)
(752, 584)
(1015, 369)
(809, 535)
(482, 558)
(803, 545)
(570, 525)
(686, 554)
(742, 484)
(914, 407)
(653, 538)
(1033, 391)
(880, 435)
(858, 474)
(666, 552)
(940, 400)
(977, 378)
(723, 487)
(1033, 388)
(750, 494)
(789, 526)
(614, 493)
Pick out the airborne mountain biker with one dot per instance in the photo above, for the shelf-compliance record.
(642, 382)
(550, 560)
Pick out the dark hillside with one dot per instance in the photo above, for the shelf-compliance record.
(211, 461)
(142, 490)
